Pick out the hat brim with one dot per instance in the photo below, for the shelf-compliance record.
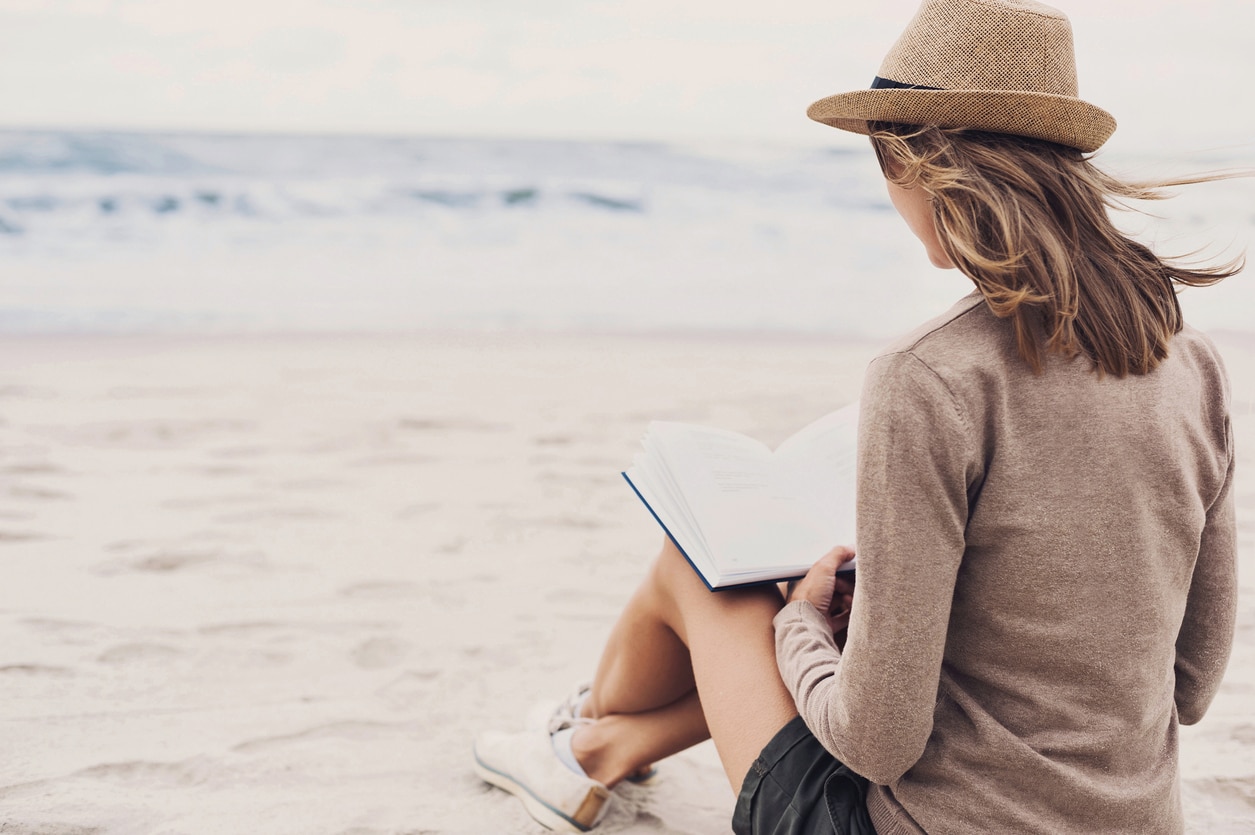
(1054, 118)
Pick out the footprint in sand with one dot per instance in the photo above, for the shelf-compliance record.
(139, 653)
(554, 440)
(453, 546)
(448, 424)
(256, 628)
(35, 671)
(21, 392)
(382, 590)
(1243, 734)
(32, 468)
(198, 502)
(376, 653)
(8, 537)
(145, 434)
(1235, 795)
(176, 559)
(39, 494)
(150, 775)
(351, 730)
(394, 459)
(421, 509)
(239, 452)
(411, 687)
(275, 514)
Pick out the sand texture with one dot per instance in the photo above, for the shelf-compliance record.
(276, 585)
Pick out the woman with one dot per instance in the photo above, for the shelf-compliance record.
(1045, 525)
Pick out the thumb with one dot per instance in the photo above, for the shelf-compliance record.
(837, 557)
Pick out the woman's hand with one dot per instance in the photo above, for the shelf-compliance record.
(825, 590)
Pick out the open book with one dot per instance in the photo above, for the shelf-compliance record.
(741, 513)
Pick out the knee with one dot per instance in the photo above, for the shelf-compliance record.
(671, 571)
(663, 570)
(672, 577)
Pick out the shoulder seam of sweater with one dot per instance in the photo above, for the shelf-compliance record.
(977, 301)
(909, 351)
(954, 400)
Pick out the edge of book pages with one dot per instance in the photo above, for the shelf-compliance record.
(683, 553)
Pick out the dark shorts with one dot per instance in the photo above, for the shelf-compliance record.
(796, 787)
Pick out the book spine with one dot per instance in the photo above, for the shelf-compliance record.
(662, 525)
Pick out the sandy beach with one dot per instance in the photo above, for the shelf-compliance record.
(277, 584)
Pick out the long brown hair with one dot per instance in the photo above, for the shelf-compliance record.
(1027, 221)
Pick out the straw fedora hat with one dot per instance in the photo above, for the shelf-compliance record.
(1005, 66)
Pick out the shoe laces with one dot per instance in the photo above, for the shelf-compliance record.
(564, 716)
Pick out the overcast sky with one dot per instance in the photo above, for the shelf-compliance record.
(1175, 74)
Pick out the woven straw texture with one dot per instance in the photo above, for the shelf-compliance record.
(999, 65)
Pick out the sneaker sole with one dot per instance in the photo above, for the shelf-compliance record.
(541, 812)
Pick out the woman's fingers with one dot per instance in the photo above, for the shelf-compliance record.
(839, 590)
(819, 586)
(815, 587)
(838, 556)
(839, 621)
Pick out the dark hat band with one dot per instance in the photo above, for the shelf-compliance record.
(879, 83)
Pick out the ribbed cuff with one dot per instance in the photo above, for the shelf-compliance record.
(800, 611)
(887, 815)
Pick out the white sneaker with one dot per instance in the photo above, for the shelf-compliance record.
(559, 716)
(563, 716)
(525, 765)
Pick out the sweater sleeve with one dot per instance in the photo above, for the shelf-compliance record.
(1206, 635)
(872, 705)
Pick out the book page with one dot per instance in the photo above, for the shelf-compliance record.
(743, 513)
(773, 537)
(817, 467)
(726, 480)
(651, 484)
(711, 463)
(831, 441)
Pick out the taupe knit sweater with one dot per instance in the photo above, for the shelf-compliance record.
(1046, 586)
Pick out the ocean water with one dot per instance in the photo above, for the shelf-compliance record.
(106, 232)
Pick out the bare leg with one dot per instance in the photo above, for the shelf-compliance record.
(674, 636)
(621, 744)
